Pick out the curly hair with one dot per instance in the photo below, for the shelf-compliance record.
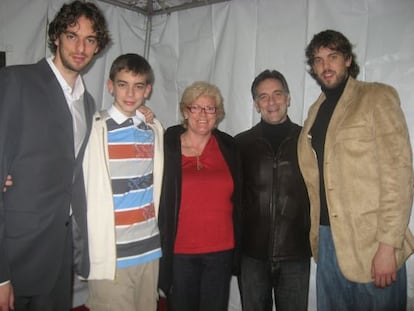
(198, 89)
(68, 16)
(335, 41)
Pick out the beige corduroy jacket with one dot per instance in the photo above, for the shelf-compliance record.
(368, 177)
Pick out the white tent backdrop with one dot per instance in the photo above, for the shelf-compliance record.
(228, 44)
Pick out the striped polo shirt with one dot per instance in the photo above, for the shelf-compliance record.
(131, 154)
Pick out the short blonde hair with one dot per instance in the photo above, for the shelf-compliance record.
(202, 88)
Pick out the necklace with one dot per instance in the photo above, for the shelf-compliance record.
(193, 152)
(199, 166)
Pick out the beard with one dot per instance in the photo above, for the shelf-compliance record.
(333, 82)
(69, 64)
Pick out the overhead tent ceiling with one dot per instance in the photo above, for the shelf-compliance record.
(150, 8)
(157, 7)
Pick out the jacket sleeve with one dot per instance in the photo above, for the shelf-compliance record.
(395, 164)
(9, 135)
(100, 217)
(237, 213)
(169, 205)
(158, 161)
(231, 153)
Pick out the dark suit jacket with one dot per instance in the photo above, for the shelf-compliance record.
(36, 148)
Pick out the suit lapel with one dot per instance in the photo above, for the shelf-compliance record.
(340, 113)
(89, 111)
(56, 104)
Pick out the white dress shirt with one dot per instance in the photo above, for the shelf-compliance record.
(74, 99)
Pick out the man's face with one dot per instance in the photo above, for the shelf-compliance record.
(76, 47)
(330, 67)
(272, 101)
(129, 90)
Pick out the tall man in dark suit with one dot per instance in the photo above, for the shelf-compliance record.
(45, 120)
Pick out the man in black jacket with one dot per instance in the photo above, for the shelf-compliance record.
(275, 237)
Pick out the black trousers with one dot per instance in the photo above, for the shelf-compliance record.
(60, 296)
(201, 282)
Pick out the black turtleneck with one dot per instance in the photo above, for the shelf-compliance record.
(275, 133)
(318, 132)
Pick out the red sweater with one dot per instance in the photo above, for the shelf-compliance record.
(205, 221)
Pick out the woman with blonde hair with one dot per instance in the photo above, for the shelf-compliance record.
(199, 208)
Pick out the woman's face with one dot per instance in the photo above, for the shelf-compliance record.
(201, 115)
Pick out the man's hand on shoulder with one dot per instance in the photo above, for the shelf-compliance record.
(148, 114)
(384, 266)
(6, 297)
(8, 183)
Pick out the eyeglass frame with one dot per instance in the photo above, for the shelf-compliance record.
(197, 109)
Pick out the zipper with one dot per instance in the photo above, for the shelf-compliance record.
(274, 195)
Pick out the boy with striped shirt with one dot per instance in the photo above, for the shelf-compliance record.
(123, 171)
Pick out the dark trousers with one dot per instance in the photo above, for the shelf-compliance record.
(60, 296)
(287, 282)
(201, 282)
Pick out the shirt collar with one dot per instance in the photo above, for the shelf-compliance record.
(120, 118)
(78, 89)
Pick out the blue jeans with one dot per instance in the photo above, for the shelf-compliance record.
(335, 292)
(201, 282)
(287, 281)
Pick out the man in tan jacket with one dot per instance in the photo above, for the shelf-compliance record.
(356, 159)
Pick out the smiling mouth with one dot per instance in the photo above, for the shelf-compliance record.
(79, 59)
(328, 74)
(272, 111)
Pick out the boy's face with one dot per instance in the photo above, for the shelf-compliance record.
(129, 90)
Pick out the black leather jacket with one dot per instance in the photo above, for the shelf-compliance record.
(275, 204)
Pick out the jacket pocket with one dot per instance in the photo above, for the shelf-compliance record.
(353, 132)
